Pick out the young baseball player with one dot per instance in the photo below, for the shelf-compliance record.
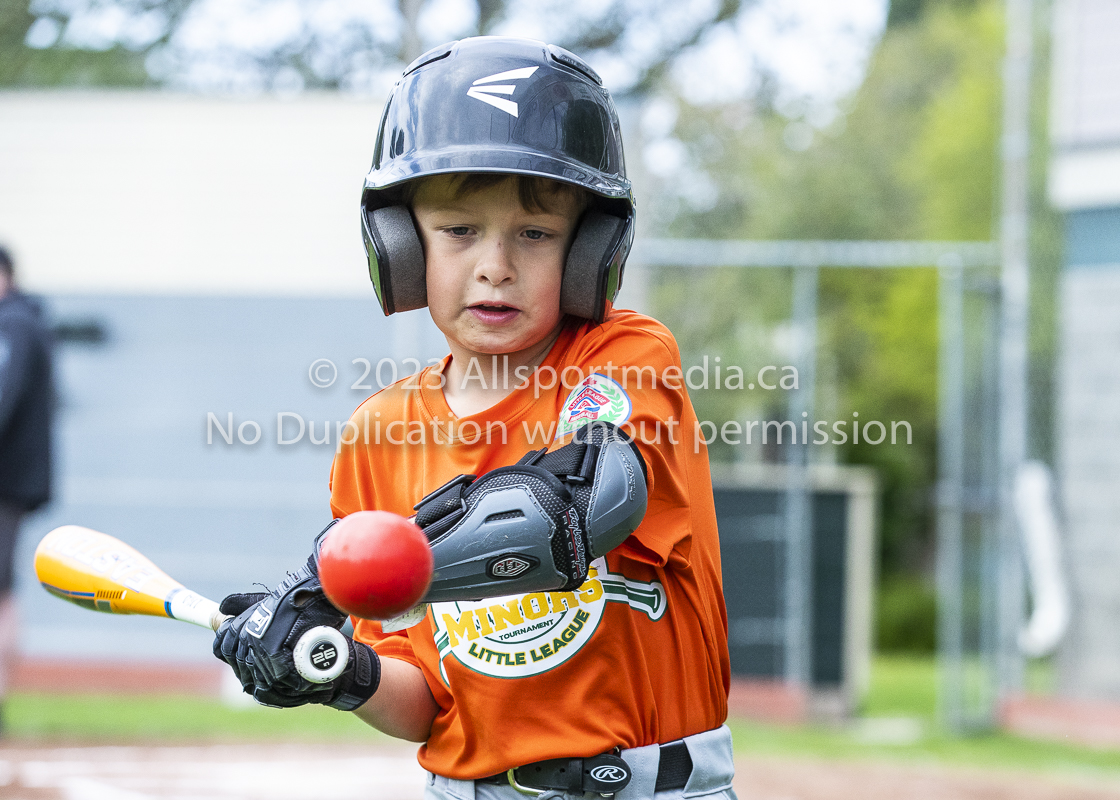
(574, 638)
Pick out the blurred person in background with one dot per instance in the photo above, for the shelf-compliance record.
(26, 398)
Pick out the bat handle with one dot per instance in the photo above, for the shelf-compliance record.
(320, 654)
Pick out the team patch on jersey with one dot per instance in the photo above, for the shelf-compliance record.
(597, 398)
(517, 636)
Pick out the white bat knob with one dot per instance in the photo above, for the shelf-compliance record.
(321, 654)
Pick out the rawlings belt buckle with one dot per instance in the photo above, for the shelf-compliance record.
(605, 774)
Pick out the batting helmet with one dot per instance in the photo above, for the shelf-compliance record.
(500, 105)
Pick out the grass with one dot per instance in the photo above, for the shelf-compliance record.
(113, 719)
(905, 687)
(901, 687)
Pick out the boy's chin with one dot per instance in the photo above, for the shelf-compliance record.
(490, 349)
(505, 345)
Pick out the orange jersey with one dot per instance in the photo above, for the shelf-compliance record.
(635, 656)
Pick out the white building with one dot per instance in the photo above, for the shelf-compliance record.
(1085, 185)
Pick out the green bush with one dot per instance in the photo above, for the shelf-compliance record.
(906, 616)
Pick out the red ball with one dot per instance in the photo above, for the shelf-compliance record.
(375, 565)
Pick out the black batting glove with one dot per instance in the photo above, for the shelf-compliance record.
(228, 644)
(258, 642)
(347, 692)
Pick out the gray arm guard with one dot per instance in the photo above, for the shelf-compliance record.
(537, 525)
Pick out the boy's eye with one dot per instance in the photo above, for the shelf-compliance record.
(459, 230)
(534, 235)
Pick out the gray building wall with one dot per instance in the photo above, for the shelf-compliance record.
(138, 460)
(1089, 452)
(1085, 184)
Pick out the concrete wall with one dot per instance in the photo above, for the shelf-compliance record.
(1089, 452)
(137, 457)
(1085, 184)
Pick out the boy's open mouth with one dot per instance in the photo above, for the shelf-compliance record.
(493, 312)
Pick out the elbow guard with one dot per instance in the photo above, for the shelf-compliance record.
(537, 525)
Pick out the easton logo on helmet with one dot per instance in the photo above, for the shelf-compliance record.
(486, 93)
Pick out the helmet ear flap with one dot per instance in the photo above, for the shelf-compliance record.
(396, 259)
(593, 271)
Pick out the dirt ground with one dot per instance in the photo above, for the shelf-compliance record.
(288, 772)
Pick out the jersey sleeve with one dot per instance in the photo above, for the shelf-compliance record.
(352, 483)
(386, 645)
(642, 362)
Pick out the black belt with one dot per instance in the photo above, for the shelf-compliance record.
(605, 774)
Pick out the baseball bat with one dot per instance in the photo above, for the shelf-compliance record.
(100, 572)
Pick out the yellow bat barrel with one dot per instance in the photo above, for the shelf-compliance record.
(102, 573)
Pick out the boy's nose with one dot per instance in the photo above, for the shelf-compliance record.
(495, 265)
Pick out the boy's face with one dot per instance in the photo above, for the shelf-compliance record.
(493, 268)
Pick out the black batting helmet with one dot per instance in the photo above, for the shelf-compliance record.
(500, 105)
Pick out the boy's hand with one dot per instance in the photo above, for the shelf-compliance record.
(257, 643)
(347, 692)
(228, 644)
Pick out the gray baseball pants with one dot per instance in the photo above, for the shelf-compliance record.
(712, 771)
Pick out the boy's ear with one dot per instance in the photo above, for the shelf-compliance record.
(593, 271)
(397, 264)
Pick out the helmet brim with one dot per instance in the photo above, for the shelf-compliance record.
(513, 161)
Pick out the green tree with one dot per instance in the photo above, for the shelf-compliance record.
(326, 51)
(914, 155)
(24, 67)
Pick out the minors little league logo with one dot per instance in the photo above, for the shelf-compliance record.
(596, 399)
(516, 636)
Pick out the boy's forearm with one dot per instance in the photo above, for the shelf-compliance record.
(403, 705)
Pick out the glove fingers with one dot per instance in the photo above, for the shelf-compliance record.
(286, 698)
(275, 666)
(236, 604)
(224, 644)
(245, 664)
